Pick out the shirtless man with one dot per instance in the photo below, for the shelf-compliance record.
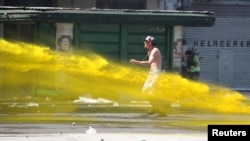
(154, 55)
(155, 63)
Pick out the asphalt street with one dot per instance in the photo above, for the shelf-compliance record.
(97, 123)
(108, 127)
(107, 123)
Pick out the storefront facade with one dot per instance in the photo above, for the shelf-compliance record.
(225, 47)
(115, 34)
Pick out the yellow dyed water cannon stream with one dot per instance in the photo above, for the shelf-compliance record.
(37, 71)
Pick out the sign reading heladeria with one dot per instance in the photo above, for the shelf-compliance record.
(221, 43)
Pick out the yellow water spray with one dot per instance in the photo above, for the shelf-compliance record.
(29, 70)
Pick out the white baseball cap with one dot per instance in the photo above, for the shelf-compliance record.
(149, 38)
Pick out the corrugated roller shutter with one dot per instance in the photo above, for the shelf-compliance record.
(101, 38)
(209, 65)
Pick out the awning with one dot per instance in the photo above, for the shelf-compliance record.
(56, 14)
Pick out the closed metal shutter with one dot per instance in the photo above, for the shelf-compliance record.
(225, 47)
(118, 42)
(101, 38)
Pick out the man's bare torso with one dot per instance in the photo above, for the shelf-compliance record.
(156, 57)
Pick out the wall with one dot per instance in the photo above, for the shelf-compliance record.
(77, 3)
(152, 4)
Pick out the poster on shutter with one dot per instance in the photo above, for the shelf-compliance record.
(177, 48)
(64, 37)
(64, 48)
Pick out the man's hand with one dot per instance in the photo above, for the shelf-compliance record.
(132, 61)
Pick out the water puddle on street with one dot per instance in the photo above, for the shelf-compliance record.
(31, 73)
